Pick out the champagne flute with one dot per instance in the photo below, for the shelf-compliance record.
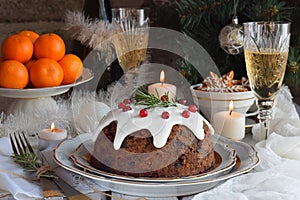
(132, 40)
(266, 47)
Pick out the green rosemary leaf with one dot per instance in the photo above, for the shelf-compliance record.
(142, 97)
(30, 163)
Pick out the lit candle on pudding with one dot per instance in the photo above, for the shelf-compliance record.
(53, 133)
(162, 88)
(230, 124)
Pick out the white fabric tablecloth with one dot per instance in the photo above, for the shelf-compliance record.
(23, 189)
(278, 174)
(17, 186)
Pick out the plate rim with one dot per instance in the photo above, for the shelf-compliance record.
(151, 184)
(224, 170)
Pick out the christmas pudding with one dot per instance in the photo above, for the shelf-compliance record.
(153, 137)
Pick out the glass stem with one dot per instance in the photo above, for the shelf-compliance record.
(264, 116)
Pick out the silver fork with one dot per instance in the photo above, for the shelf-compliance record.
(21, 145)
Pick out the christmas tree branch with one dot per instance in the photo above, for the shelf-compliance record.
(292, 70)
(189, 8)
(269, 10)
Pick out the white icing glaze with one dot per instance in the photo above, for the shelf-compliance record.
(130, 121)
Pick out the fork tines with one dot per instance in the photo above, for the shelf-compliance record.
(20, 143)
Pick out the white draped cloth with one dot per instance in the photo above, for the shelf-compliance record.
(14, 183)
(278, 174)
(20, 185)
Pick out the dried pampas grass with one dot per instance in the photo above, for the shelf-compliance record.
(94, 34)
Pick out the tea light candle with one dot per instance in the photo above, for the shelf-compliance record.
(163, 88)
(230, 124)
(53, 133)
(49, 138)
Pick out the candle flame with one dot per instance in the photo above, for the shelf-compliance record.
(52, 127)
(162, 76)
(230, 107)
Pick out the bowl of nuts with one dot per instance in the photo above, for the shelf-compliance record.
(215, 93)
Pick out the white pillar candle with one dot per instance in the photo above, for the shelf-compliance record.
(230, 124)
(53, 133)
(163, 88)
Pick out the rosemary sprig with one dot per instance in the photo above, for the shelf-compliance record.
(142, 97)
(30, 163)
(27, 160)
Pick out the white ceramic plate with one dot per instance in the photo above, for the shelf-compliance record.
(248, 159)
(226, 159)
(29, 93)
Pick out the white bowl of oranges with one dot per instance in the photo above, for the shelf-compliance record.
(32, 62)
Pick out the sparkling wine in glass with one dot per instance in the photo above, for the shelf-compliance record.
(132, 40)
(266, 47)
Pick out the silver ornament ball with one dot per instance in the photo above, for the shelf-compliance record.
(231, 38)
